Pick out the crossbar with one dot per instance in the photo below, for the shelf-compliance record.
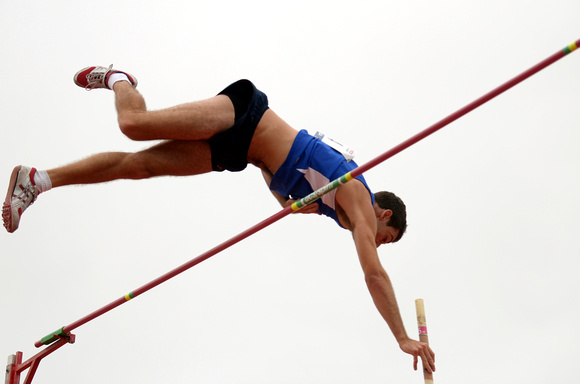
(319, 193)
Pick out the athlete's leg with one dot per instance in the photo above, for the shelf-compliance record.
(193, 121)
(198, 120)
(169, 158)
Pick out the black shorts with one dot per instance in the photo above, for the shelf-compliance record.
(229, 149)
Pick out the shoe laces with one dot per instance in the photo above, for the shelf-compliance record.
(28, 194)
(97, 77)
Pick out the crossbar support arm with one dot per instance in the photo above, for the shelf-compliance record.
(16, 367)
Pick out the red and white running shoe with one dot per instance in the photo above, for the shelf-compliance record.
(97, 77)
(22, 192)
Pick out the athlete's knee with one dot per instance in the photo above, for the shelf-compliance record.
(138, 166)
(132, 126)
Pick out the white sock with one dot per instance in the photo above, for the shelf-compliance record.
(42, 181)
(117, 76)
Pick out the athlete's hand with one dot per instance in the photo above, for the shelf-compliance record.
(422, 350)
(310, 208)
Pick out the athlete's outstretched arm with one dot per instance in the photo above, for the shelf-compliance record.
(355, 200)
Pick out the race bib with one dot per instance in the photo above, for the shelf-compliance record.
(347, 152)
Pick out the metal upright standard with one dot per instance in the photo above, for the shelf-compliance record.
(63, 335)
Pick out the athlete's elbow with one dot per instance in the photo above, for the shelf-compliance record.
(376, 280)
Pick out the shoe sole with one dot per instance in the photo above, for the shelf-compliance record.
(8, 200)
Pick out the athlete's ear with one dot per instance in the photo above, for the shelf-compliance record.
(386, 215)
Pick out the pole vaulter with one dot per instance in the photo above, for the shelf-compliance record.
(63, 335)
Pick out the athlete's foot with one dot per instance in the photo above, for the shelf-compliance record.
(22, 192)
(98, 77)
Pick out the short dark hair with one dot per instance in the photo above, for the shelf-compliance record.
(388, 200)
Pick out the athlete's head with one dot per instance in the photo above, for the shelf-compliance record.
(398, 220)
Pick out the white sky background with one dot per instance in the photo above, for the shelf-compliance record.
(492, 198)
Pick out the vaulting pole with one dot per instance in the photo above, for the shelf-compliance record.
(65, 331)
(423, 336)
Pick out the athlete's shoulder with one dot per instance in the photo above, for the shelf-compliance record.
(353, 203)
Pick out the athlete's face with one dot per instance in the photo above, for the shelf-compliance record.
(385, 233)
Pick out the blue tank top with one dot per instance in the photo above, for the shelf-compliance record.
(310, 165)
